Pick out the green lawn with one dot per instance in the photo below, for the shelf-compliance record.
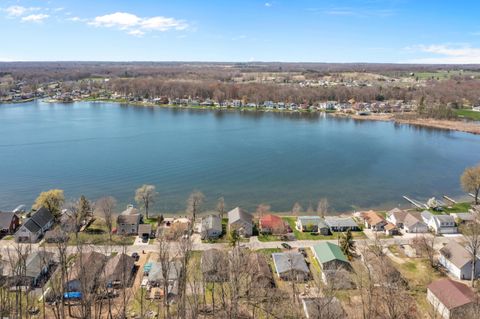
(455, 208)
(469, 114)
(97, 234)
(312, 236)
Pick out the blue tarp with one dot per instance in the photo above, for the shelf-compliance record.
(72, 295)
(147, 267)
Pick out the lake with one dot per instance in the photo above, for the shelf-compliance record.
(100, 149)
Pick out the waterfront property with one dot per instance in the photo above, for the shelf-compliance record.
(374, 221)
(128, 221)
(341, 224)
(272, 224)
(442, 224)
(312, 224)
(211, 227)
(35, 226)
(9, 222)
(240, 221)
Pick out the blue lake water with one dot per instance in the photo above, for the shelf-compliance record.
(101, 149)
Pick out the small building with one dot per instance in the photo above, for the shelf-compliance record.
(391, 229)
(128, 221)
(414, 224)
(312, 224)
(85, 274)
(240, 221)
(35, 227)
(451, 299)
(374, 221)
(442, 224)
(341, 224)
(323, 307)
(272, 224)
(145, 230)
(291, 266)
(211, 227)
(457, 260)
(396, 216)
(214, 265)
(9, 222)
(118, 270)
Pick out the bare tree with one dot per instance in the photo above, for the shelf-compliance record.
(296, 209)
(425, 245)
(322, 207)
(194, 202)
(145, 195)
(105, 207)
(471, 233)
(262, 210)
(221, 207)
(470, 181)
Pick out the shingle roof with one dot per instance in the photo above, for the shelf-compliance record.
(239, 214)
(155, 274)
(128, 219)
(315, 220)
(398, 213)
(272, 222)
(456, 254)
(118, 267)
(373, 218)
(211, 222)
(327, 251)
(144, 228)
(36, 261)
(31, 226)
(451, 294)
(410, 220)
(38, 220)
(6, 219)
(333, 221)
(285, 262)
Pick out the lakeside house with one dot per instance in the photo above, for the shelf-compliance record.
(211, 227)
(374, 221)
(396, 216)
(241, 222)
(313, 224)
(451, 299)
(466, 217)
(458, 261)
(9, 222)
(442, 224)
(35, 227)
(128, 221)
(291, 266)
(413, 223)
(272, 224)
(341, 224)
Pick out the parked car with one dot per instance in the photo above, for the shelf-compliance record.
(286, 246)
(136, 256)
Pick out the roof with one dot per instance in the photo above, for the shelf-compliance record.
(38, 220)
(285, 262)
(323, 307)
(390, 226)
(259, 264)
(36, 261)
(456, 254)
(450, 293)
(87, 267)
(333, 221)
(118, 267)
(326, 251)
(237, 214)
(315, 220)
(398, 214)
(32, 226)
(444, 218)
(272, 222)
(130, 211)
(410, 220)
(373, 218)
(464, 216)
(144, 228)
(128, 219)
(211, 222)
(426, 214)
(155, 274)
(6, 219)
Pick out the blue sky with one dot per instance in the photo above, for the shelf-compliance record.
(423, 31)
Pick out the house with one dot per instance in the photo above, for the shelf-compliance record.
(457, 260)
(391, 229)
(323, 307)
(451, 299)
(118, 270)
(262, 275)
(35, 226)
(442, 224)
(211, 227)
(145, 230)
(272, 224)
(128, 221)
(313, 224)
(240, 221)
(214, 265)
(426, 216)
(37, 267)
(374, 221)
(9, 222)
(156, 278)
(396, 216)
(335, 265)
(84, 276)
(463, 217)
(341, 224)
(414, 224)
(291, 266)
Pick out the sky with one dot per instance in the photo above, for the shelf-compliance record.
(380, 31)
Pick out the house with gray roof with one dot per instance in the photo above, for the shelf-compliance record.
(313, 224)
(291, 266)
(396, 216)
(341, 224)
(240, 221)
(414, 224)
(211, 227)
(128, 221)
(442, 224)
(37, 266)
(457, 260)
(35, 226)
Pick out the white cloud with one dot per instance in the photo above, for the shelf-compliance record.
(268, 4)
(137, 26)
(447, 54)
(16, 11)
(35, 17)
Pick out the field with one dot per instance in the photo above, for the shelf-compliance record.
(468, 114)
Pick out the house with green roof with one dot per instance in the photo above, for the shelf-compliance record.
(336, 269)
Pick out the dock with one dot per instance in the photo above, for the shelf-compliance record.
(449, 199)
(415, 203)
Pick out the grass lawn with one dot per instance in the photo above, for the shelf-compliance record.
(266, 238)
(97, 234)
(8, 237)
(312, 236)
(468, 114)
(458, 208)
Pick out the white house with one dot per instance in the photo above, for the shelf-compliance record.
(457, 260)
(442, 224)
(240, 221)
(413, 224)
(396, 216)
(451, 299)
(35, 226)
